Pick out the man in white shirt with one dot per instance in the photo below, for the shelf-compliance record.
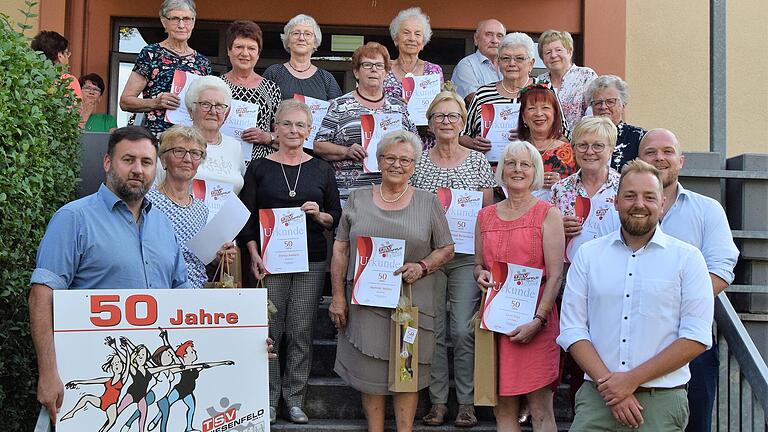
(479, 68)
(637, 308)
(701, 222)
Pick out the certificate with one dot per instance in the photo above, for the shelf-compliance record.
(372, 128)
(418, 93)
(512, 300)
(220, 229)
(376, 260)
(212, 193)
(598, 217)
(219, 336)
(242, 115)
(461, 209)
(284, 240)
(319, 108)
(498, 120)
(179, 86)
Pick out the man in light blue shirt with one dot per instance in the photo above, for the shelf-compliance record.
(479, 68)
(701, 222)
(111, 239)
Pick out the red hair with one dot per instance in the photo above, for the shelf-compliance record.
(532, 94)
(370, 50)
(182, 349)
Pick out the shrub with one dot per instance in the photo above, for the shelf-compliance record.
(39, 144)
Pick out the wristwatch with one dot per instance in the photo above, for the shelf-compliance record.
(424, 269)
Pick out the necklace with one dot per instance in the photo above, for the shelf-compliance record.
(370, 100)
(164, 191)
(218, 140)
(407, 73)
(291, 192)
(381, 194)
(297, 70)
(180, 53)
(517, 90)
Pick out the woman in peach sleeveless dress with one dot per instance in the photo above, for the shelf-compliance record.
(525, 231)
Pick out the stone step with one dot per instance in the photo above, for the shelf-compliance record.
(331, 398)
(359, 425)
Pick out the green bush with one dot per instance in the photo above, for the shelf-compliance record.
(39, 167)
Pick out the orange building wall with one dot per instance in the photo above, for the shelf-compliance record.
(89, 21)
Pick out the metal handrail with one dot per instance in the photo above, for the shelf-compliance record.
(745, 383)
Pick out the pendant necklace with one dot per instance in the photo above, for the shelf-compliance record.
(291, 192)
(381, 194)
(369, 100)
(408, 74)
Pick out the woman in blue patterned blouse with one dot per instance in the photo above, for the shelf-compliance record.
(182, 149)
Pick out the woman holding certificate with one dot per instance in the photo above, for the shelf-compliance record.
(540, 123)
(387, 214)
(520, 245)
(515, 60)
(464, 178)
(244, 44)
(340, 138)
(298, 188)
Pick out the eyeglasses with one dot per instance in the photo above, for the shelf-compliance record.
(442, 117)
(181, 153)
(404, 162)
(369, 66)
(516, 59)
(610, 102)
(583, 147)
(93, 89)
(207, 106)
(298, 34)
(523, 165)
(290, 125)
(176, 20)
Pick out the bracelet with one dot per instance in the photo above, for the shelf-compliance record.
(424, 269)
(541, 318)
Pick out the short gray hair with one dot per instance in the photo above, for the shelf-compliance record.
(290, 105)
(414, 12)
(538, 165)
(518, 39)
(285, 36)
(399, 136)
(607, 81)
(169, 5)
(203, 83)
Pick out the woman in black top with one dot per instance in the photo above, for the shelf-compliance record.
(291, 178)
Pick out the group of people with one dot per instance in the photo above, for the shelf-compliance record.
(637, 303)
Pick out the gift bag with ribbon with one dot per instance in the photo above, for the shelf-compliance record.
(404, 346)
(486, 373)
(223, 277)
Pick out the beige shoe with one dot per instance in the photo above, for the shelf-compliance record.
(436, 415)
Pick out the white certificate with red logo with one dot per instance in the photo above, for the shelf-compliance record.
(461, 209)
(598, 217)
(512, 301)
(372, 128)
(213, 193)
(179, 86)
(497, 122)
(376, 260)
(418, 93)
(284, 240)
(319, 108)
(214, 340)
(242, 115)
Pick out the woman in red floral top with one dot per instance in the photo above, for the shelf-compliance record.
(541, 124)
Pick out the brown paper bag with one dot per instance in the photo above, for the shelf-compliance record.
(404, 356)
(222, 278)
(486, 373)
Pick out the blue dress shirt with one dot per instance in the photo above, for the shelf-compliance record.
(94, 242)
(473, 71)
(701, 222)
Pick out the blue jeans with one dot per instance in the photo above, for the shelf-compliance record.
(702, 389)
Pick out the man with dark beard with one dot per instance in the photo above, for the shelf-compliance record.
(110, 239)
(637, 308)
(701, 222)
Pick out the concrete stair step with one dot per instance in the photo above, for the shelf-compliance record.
(359, 425)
